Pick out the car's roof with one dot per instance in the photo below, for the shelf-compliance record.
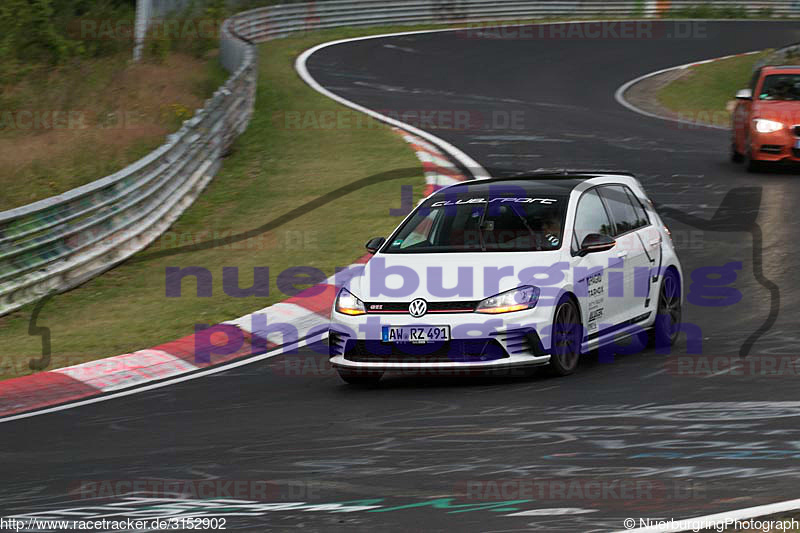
(544, 182)
(793, 69)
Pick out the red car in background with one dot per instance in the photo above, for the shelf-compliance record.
(766, 119)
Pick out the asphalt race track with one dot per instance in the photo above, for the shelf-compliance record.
(452, 453)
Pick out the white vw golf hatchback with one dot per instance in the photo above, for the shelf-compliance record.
(501, 273)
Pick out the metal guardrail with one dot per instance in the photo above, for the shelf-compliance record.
(58, 243)
(787, 55)
(282, 20)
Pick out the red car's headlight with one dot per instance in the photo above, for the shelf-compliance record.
(764, 125)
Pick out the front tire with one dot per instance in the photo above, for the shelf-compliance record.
(566, 337)
(668, 313)
(750, 164)
(736, 155)
(358, 377)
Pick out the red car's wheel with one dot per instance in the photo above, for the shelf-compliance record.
(752, 165)
(736, 155)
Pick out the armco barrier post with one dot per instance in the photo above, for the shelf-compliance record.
(140, 28)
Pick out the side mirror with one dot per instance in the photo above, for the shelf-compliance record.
(596, 242)
(744, 94)
(374, 244)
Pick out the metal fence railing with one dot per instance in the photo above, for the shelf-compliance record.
(281, 20)
(59, 242)
(787, 55)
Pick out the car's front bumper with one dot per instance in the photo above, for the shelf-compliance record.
(776, 146)
(444, 369)
(478, 341)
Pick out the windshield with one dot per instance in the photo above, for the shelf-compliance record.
(780, 87)
(475, 223)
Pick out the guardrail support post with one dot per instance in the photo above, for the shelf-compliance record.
(140, 27)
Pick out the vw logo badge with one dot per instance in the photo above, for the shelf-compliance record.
(418, 307)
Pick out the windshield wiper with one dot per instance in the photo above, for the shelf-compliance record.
(527, 226)
(481, 228)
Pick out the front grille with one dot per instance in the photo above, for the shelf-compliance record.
(433, 307)
(796, 152)
(796, 130)
(771, 148)
(454, 351)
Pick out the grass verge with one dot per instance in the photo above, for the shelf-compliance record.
(72, 124)
(274, 169)
(702, 93)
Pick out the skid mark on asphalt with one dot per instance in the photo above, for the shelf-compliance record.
(433, 92)
(520, 138)
(400, 48)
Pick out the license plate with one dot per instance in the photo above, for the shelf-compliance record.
(797, 143)
(415, 334)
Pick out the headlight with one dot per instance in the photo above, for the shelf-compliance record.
(348, 304)
(767, 126)
(513, 300)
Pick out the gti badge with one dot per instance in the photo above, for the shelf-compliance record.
(418, 307)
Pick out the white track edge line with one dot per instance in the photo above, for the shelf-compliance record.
(300, 66)
(476, 169)
(171, 381)
(709, 520)
(620, 92)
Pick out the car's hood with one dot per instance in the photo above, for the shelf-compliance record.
(464, 276)
(786, 112)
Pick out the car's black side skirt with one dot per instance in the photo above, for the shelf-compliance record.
(621, 325)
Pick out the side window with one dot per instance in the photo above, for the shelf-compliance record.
(591, 217)
(619, 206)
(423, 230)
(642, 219)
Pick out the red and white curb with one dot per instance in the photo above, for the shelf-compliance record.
(439, 170)
(308, 313)
(304, 312)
